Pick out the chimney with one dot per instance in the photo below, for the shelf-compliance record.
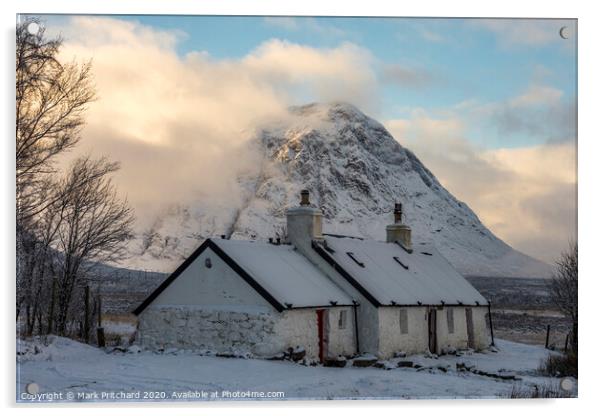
(305, 198)
(303, 223)
(399, 232)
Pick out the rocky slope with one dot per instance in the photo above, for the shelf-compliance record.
(355, 171)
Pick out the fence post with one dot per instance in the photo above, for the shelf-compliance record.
(87, 314)
(100, 332)
(547, 336)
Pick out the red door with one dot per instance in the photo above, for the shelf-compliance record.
(321, 337)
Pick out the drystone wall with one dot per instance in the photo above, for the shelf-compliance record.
(210, 329)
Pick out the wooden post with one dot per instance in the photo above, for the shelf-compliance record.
(51, 312)
(547, 336)
(100, 332)
(87, 314)
(566, 342)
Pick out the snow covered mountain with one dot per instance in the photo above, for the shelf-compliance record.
(355, 171)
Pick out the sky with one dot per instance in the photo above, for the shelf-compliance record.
(488, 105)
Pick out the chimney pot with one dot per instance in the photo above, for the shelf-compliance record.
(304, 197)
(397, 213)
(399, 232)
(303, 224)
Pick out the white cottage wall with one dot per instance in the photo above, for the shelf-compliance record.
(304, 225)
(217, 286)
(482, 334)
(298, 327)
(341, 341)
(214, 308)
(367, 314)
(459, 337)
(391, 340)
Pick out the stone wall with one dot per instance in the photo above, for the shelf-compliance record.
(212, 329)
(259, 331)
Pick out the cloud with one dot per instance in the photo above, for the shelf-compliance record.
(407, 77)
(311, 24)
(541, 113)
(180, 125)
(527, 32)
(536, 95)
(526, 196)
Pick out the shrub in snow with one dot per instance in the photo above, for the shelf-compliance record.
(559, 365)
(546, 391)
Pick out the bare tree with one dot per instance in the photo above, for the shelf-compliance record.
(51, 98)
(563, 289)
(64, 224)
(93, 226)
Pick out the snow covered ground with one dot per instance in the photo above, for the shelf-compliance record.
(64, 370)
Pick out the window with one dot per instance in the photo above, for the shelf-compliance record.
(352, 256)
(450, 320)
(342, 319)
(403, 321)
(402, 264)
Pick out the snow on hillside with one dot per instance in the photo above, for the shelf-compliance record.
(67, 367)
(355, 171)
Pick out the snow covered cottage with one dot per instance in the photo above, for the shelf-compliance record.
(329, 294)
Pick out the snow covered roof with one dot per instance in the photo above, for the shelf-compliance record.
(389, 275)
(279, 273)
(285, 273)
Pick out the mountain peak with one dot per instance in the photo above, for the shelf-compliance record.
(336, 112)
(356, 171)
(330, 110)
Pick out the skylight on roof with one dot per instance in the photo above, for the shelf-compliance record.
(405, 266)
(359, 263)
